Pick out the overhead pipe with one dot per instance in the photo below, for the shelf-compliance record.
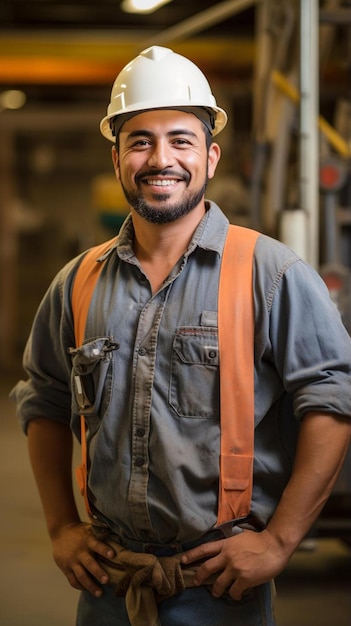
(201, 21)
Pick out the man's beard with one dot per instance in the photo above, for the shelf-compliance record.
(157, 214)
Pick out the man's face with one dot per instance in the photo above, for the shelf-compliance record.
(163, 164)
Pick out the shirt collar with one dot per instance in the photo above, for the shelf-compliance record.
(209, 235)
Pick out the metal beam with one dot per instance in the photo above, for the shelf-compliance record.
(309, 109)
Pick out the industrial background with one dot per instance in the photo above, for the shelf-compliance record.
(281, 68)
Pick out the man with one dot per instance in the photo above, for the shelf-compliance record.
(152, 408)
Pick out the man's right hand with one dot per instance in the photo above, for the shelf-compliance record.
(74, 549)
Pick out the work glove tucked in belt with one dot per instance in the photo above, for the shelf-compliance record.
(145, 580)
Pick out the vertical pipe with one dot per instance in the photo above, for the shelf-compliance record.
(309, 110)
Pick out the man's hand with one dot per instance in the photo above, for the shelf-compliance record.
(74, 549)
(242, 561)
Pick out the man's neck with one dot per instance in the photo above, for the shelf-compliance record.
(165, 241)
(158, 247)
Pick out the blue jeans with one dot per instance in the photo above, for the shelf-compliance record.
(192, 607)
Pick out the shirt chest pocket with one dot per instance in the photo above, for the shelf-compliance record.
(194, 385)
(91, 377)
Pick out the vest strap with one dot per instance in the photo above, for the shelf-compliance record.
(236, 371)
(84, 284)
(236, 332)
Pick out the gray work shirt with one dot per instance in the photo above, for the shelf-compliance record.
(149, 369)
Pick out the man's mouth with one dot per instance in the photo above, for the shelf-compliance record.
(162, 179)
(157, 182)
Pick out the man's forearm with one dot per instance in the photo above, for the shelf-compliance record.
(322, 446)
(50, 450)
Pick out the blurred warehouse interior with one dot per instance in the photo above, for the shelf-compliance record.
(281, 68)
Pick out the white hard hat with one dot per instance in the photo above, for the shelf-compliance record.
(160, 78)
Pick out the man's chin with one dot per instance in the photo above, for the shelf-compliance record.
(157, 198)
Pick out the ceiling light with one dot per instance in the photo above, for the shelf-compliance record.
(12, 99)
(142, 6)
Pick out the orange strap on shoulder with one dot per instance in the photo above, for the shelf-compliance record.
(236, 370)
(84, 284)
(236, 349)
(85, 280)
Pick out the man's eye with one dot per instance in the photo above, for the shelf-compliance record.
(181, 142)
(141, 142)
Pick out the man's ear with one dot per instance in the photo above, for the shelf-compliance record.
(115, 161)
(214, 154)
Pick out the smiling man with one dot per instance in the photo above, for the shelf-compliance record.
(169, 161)
(160, 549)
(164, 171)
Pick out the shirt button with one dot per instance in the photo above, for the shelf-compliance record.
(142, 351)
(212, 354)
(139, 461)
(140, 432)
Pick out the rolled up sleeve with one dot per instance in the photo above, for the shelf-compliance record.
(312, 349)
(46, 392)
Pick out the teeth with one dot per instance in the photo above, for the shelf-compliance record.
(161, 183)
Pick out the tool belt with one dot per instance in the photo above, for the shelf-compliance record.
(144, 580)
(145, 574)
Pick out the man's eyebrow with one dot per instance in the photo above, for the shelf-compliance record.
(143, 132)
(182, 131)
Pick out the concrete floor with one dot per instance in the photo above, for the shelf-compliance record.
(315, 590)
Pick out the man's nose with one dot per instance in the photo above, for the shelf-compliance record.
(161, 155)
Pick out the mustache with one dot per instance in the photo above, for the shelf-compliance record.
(166, 173)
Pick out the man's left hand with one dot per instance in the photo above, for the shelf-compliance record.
(242, 562)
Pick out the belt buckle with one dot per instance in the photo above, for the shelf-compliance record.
(159, 550)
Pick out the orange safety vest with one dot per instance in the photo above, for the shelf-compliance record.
(236, 360)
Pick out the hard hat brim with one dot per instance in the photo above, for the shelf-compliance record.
(221, 118)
